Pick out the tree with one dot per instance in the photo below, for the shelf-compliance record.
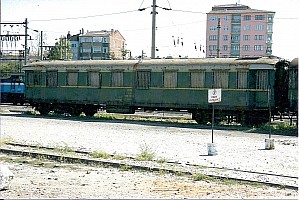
(60, 51)
(10, 67)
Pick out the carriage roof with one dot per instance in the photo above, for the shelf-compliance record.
(159, 62)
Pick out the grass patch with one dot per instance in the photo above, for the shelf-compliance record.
(162, 160)
(200, 177)
(147, 154)
(100, 154)
(106, 116)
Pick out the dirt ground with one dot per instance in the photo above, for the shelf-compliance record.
(79, 181)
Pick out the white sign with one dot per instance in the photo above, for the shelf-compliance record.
(214, 95)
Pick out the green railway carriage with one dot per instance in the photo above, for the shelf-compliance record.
(122, 86)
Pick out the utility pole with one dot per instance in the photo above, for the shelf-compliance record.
(41, 45)
(26, 32)
(65, 53)
(60, 44)
(154, 30)
(218, 38)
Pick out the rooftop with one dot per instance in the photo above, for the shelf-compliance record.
(235, 8)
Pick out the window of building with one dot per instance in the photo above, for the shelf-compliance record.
(246, 37)
(94, 79)
(143, 79)
(259, 27)
(259, 17)
(242, 80)
(117, 78)
(269, 38)
(97, 39)
(213, 37)
(74, 45)
(220, 79)
(235, 38)
(226, 18)
(225, 37)
(269, 28)
(270, 18)
(72, 78)
(197, 79)
(213, 18)
(170, 79)
(236, 29)
(226, 28)
(213, 28)
(97, 49)
(246, 47)
(105, 49)
(236, 18)
(262, 79)
(225, 47)
(235, 47)
(86, 50)
(246, 27)
(85, 39)
(51, 78)
(105, 40)
(258, 47)
(247, 17)
(212, 47)
(258, 37)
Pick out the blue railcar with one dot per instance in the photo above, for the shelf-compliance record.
(12, 89)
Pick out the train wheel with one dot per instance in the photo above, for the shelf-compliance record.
(90, 111)
(200, 118)
(43, 109)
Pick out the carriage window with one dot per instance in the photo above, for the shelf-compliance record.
(262, 79)
(117, 79)
(242, 80)
(170, 79)
(37, 78)
(30, 78)
(72, 78)
(197, 79)
(220, 79)
(143, 79)
(292, 80)
(94, 79)
(52, 78)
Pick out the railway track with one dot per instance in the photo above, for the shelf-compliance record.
(77, 156)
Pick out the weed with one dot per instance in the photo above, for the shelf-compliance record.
(125, 167)
(147, 154)
(162, 160)
(99, 154)
(119, 157)
(200, 177)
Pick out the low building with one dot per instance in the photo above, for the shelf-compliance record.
(97, 45)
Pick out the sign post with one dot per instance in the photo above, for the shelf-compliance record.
(214, 95)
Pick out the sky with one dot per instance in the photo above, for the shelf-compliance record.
(186, 22)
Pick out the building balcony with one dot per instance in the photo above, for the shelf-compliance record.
(236, 21)
(236, 31)
(235, 42)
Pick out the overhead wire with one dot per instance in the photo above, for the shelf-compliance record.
(84, 17)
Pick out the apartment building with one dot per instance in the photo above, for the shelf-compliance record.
(242, 31)
(97, 45)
